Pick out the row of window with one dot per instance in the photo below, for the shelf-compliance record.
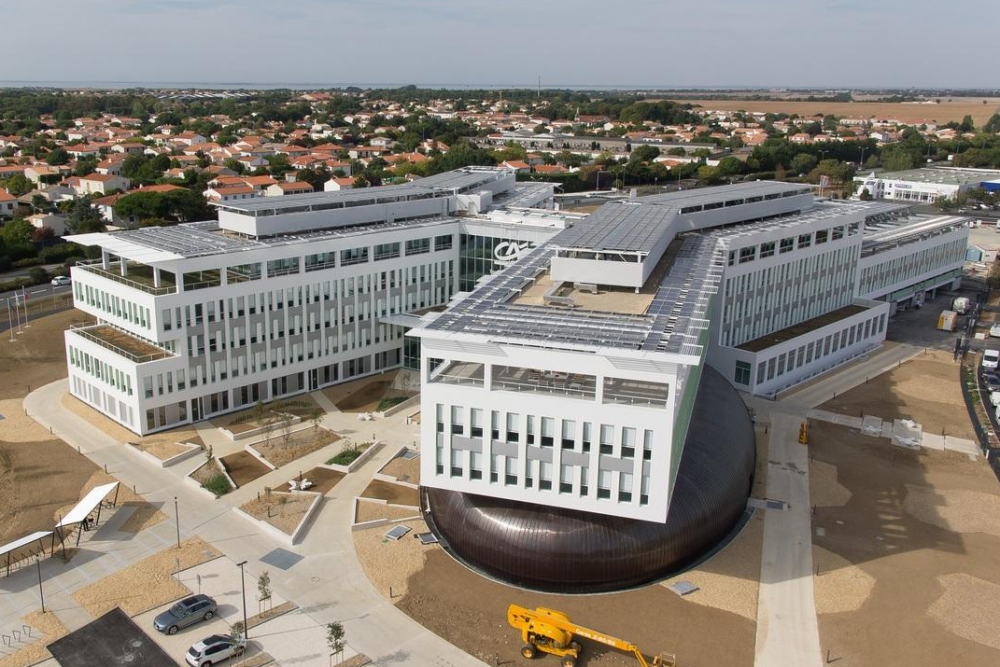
(790, 243)
(884, 275)
(101, 370)
(112, 304)
(786, 362)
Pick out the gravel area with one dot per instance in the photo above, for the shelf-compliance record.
(300, 443)
(368, 511)
(284, 511)
(391, 563)
(323, 479)
(364, 395)
(968, 608)
(207, 471)
(46, 628)
(405, 470)
(959, 510)
(839, 586)
(146, 584)
(244, 467)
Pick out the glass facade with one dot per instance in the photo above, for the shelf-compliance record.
(483, 255)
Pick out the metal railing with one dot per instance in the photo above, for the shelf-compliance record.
(118, 278)
(82, 331)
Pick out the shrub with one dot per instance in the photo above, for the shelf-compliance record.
(218, 485)
(38, 275)
(387, 403)
(345, 458)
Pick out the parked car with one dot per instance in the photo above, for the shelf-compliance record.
(59, 281)
(992, 382)
(995, 398)
(991, 358)
(213, 650)
(189, 611)
(995, 331)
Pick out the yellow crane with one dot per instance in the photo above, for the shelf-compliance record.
(551, 631)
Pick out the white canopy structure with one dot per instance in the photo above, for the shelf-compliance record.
(10, 550)
(93, 500)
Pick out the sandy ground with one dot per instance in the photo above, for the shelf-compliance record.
(391, 562)
(146, 584)
(244, 467)
(47, 629)
(394, 493)
(162, 445)
(369, 511)
(363, 395)
(39, 474)
(925, 389)
(953, 110)
(884, 592)
(405, 470)
(968, 608)
(206, 472)
(38, 356)
(298, 445)
(284, 511)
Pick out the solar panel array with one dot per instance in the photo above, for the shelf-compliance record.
(190, 240)
(624, 226)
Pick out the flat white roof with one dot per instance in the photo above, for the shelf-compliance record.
(87, 505)
(23, 542)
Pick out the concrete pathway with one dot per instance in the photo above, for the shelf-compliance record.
(787, 630)
(328, 584)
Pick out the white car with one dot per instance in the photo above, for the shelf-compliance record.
(59, 281)
(995, 398)
(995, 331)
(214, 650)
(991, 358)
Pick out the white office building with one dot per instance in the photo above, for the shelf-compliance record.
(280, 296)
(926, 185)
(568, 380)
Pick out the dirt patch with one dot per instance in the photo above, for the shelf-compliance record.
(470, 611)
(323, 479)
(371, 511)
(364, 395)
(37, 356)
(405, 470)
(144, 516)
(824, 489)
(303, 407)
(244, 467)
(888, 563)
(968, 608)
(146, 584)
(959, 510)
(954, 109)
(46, 628)
(394, 493)
(207, 471)
(925, 389)
(284, 511)
(281, 450)
(39, 474)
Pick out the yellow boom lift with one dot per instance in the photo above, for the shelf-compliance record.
(551, 631)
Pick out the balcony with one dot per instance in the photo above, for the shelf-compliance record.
(139, 277)
(635, 392)
(457, 372)
(121, 343)
(530, 380)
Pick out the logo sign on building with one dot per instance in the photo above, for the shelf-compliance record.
(508, 252)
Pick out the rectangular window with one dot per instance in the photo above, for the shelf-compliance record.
(805, 240)
(385, 251)
(282, 267)
(787, 245)
(418, 246)
(320, 261)
(742, 373)
(838, 233)
(767, 249)
(748, 254)
(443, 242)
(353, 256)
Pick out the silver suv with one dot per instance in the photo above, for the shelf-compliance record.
(187, 612)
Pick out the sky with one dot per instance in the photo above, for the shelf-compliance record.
(621, 43)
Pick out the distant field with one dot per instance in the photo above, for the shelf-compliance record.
(914, 113)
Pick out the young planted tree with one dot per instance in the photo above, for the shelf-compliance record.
(335, 640)
(285, 427)
(263, 589)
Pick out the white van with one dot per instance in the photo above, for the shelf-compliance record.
(990, 359)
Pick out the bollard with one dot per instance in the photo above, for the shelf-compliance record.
(26, 629)
(105, 468)
(17, 635)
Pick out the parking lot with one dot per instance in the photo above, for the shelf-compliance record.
(292, 638)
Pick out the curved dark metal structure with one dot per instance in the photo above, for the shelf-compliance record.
(565, 551)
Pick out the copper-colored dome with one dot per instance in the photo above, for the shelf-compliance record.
(566, 551)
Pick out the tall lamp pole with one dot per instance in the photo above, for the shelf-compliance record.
(41, 593)
(243, 582)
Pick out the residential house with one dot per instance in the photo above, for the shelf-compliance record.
(102, 183)
(53, 221)
(8, 204)
(337, 184)
(286, 188)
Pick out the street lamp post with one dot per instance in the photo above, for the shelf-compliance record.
(41, 593)
(243, 582)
